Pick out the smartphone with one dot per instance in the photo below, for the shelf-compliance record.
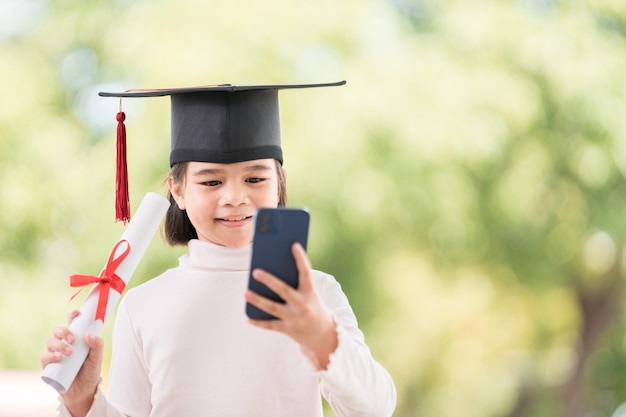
(275, 231)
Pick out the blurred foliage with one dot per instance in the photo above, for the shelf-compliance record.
(466, 186)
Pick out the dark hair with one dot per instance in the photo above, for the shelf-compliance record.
(178, 228)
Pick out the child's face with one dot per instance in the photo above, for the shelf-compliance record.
(221, 199)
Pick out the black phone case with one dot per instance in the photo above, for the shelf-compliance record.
(275, 231)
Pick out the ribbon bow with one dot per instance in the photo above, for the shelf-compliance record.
(107, 279)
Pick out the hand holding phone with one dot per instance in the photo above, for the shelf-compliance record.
(275, 231)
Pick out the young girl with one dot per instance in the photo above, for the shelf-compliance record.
(182, 344)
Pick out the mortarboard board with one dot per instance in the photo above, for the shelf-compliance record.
(216, 123)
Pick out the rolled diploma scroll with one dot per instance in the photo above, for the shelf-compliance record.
(138, 234)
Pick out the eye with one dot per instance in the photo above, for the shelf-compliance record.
(255, 180)
(212, 183)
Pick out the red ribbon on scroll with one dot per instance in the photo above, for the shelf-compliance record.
(106, 280)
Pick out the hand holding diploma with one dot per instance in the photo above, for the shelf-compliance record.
(78, 348)
(79, 396)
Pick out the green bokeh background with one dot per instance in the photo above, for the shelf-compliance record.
(467, 186)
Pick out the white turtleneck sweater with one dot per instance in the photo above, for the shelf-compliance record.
(182, 347)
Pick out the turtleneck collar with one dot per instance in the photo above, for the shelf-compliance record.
(210, 256)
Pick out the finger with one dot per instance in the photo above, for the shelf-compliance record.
(302, 260)
(71, 315)
(265, 304)
(49, 357)
(94, 342)
(304, 267)
(96, 349)
(63, 333)
(58, 345)
(281, 288)
(276, 325)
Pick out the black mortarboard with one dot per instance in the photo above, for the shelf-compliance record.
(217, 123)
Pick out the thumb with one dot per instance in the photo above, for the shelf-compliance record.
(304, 267)
(96, 346)
(93, 341)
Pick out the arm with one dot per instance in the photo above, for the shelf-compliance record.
(303, 316)
(100, 407)
(129, 385)
(324, 325)
(354, 384)
(83, 398)
(129, 388)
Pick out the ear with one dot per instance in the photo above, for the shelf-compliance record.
(282, 190)
(177, 192)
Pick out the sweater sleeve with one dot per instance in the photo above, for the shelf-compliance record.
(129, 385)
(354, 383)
(99, 408)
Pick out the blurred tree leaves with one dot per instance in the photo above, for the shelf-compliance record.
(466, 185)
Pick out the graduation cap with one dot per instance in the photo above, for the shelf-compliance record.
(217, 123)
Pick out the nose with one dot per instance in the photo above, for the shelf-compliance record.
(233, 195)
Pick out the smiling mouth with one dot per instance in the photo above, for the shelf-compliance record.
(234, 219)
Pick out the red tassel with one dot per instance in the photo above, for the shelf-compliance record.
(122, 203)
